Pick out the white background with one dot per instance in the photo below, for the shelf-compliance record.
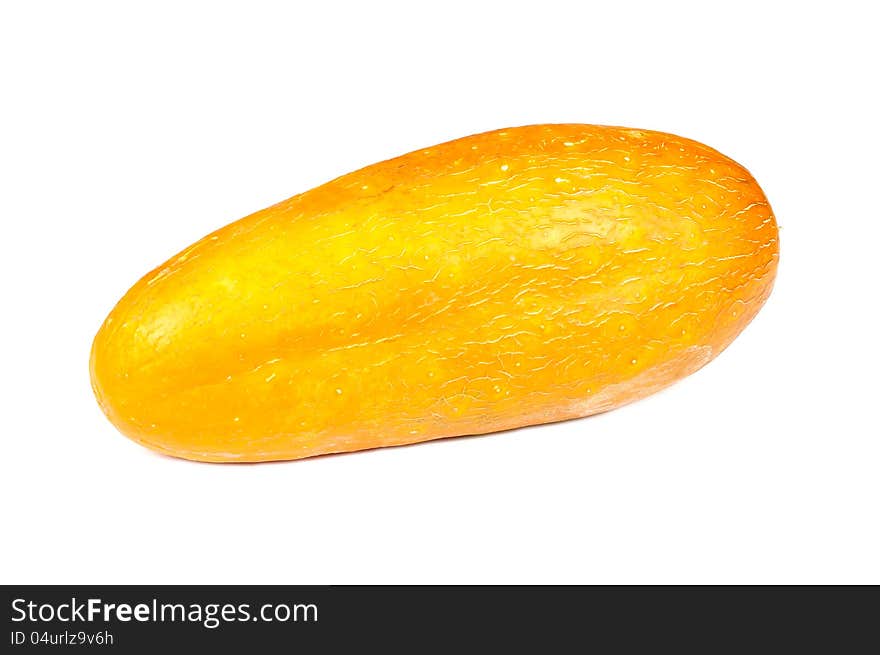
(130, 130)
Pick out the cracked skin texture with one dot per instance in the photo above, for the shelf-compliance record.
(511, 278)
